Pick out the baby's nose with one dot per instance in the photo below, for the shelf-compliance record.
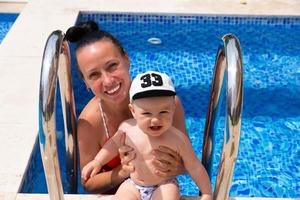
(155, 121)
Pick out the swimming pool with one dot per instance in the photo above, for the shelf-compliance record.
(6, 21)
(268, 164)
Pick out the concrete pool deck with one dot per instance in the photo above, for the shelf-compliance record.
(20, 62)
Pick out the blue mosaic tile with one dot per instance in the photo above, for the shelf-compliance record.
(190, 19)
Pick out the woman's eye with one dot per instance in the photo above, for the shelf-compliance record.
(112, 66)
(93, 76)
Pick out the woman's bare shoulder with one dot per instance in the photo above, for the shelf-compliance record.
(179, 119)
(90, 110)
(177, 101)
(89, 123)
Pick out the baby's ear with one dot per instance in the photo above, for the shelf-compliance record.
(131, 109)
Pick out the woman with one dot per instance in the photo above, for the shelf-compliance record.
(104, 66)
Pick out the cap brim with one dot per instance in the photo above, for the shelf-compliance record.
(153, 93)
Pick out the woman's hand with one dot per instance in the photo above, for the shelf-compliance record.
(127, 154)
(167, 162)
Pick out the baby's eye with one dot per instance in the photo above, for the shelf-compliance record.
(164, 112)
(146, 113)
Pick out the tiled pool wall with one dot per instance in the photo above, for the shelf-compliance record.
(190, 19)
(6, 21)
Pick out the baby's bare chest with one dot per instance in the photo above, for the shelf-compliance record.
(144, 145)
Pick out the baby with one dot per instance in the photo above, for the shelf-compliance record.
(152, 104)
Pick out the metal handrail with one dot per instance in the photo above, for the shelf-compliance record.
(56, 60)
(228, 72)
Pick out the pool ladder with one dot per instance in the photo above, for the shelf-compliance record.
(56, 65)
(228, 76)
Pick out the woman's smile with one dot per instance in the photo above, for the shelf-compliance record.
(114, 90)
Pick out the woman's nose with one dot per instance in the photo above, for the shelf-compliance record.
(107, 79)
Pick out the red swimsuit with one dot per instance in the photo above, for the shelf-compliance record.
(112, 164)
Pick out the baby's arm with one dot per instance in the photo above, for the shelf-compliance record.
(107, 153)
(195, 168)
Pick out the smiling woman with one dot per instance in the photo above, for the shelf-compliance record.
(6, 21)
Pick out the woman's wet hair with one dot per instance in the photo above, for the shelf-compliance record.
(87, 33)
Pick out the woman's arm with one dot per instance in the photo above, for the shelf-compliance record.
(106, 181)
(109, 150)
(89, 145)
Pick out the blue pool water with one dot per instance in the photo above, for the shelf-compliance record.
(6, 21)
(268, 163)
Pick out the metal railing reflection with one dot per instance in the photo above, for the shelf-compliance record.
(56, 64)
(228, 75)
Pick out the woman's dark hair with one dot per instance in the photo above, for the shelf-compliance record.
(87, 33)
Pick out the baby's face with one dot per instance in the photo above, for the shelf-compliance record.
(154, 115)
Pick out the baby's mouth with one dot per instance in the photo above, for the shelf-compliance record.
(155, 128)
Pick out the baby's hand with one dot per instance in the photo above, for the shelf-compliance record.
(90, 170)
(127, 154)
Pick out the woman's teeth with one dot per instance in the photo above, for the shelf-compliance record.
(113, 89)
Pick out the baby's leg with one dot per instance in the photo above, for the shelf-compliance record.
(168, 190)
(127, 191)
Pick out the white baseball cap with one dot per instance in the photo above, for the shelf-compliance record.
(151, 84)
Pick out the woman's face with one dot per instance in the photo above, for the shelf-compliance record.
(105, 70)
